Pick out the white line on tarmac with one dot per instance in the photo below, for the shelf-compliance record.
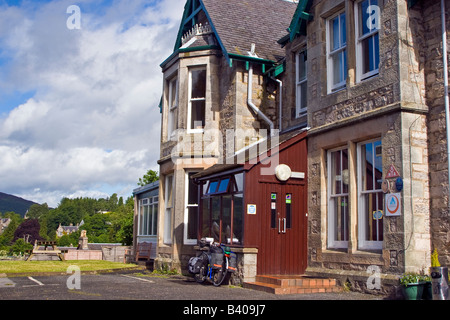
(124, 275)
(38, 282)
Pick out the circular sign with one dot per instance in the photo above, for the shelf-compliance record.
(283, 172)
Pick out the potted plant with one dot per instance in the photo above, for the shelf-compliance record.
(412, 286)
(439, 277)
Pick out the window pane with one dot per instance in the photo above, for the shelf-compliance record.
(340, 211)
(146, 222)
(372, 165)
(304, 89)
(238, 204)
(223, 186)
(213, 186)
(192, 222)
(198, 78)
(169, 188)
(206, 218)
(197, 114)
(155, 219)
(215, 216)
(192, 190)
(335, 34)
(301, 68)
(239, 181)
(343, 29)
(374, 227)
(226, 219)
(141, 220)
(336, 178)
(173, 93)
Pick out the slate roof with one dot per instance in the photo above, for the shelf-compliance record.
(239, 23)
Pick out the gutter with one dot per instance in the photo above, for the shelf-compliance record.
(446, 98)
(249, 94)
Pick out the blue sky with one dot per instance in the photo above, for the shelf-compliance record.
(79, 107)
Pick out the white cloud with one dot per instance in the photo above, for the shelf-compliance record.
(92, 124)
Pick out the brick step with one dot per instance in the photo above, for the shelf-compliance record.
(293, 285)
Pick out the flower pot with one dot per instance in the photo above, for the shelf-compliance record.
(427, 291)
(413, 291)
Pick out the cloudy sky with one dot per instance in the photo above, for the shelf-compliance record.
(79, 110)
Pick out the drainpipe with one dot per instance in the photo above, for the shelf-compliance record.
(280, 103)
(446, 98)
(249, 94)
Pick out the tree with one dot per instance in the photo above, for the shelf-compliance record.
(28, 230)
(149, 177)
(36, 211)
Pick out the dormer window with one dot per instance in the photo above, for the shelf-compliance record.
(197, 99)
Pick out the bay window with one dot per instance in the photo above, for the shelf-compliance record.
(223, 209)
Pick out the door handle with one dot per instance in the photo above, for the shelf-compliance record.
(279, 225)
(284, 223)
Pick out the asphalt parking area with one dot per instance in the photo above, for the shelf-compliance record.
(140, 286)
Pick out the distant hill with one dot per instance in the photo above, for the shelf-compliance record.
(18, 205)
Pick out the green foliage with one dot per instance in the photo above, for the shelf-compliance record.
(413, 278)
(105, 220)
(149, 177)
(435, 259)
(20, 247)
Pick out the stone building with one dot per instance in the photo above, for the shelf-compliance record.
(363, 78)
(369, 76)
(210, 109)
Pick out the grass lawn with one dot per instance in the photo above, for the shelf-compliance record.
(14, 267)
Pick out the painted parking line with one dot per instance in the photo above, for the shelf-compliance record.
(141, 279)
(36, 281)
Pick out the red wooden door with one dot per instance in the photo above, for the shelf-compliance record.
(283, 238)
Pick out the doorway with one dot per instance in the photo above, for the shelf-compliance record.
(283, 235)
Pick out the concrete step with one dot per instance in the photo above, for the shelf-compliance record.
(298, 284)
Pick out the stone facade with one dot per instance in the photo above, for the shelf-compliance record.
(403, 107)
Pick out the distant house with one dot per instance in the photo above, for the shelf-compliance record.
(146, 215)
(4, 223)
(65, 230)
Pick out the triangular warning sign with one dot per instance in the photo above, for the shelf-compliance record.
(392, 172)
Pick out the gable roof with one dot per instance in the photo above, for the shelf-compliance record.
(298, 22)
(237, 24)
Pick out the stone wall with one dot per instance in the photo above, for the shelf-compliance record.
(437, 157)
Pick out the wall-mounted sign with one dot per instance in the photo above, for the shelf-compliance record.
(377, 215)
(288, 198)
(392, 172)
(251, 209)
(273, 196)
(399, 184)
(393, 204)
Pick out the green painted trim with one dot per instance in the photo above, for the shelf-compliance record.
(250, 59)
